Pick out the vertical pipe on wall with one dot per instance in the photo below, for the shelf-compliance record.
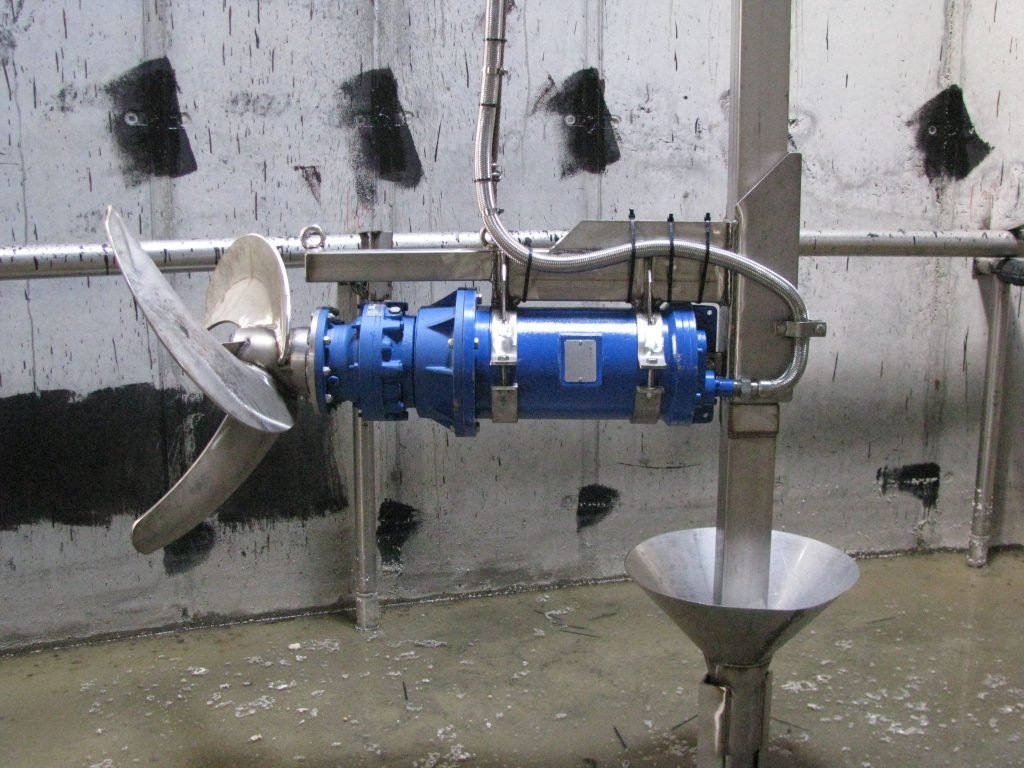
(991, 423)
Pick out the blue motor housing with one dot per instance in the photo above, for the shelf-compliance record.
(565, 363)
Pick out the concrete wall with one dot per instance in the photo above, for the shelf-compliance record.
(97, 420)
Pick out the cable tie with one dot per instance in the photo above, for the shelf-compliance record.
(529, 267)
(632, 255)
(671, 254)
(707, 257)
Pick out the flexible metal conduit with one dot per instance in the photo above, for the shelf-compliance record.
(486, 177)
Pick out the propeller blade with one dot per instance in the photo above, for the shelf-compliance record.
(231, 455)
(249, 288)
(242, 391)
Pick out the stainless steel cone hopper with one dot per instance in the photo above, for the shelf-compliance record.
(677, 570)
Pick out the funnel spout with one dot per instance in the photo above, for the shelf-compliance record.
(733, 713)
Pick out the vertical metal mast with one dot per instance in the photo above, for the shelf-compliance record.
(764, 193)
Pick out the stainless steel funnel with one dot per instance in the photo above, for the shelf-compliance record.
(677, 570)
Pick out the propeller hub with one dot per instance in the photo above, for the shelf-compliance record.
(256, 346)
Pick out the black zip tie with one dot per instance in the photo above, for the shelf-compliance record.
(671, 254)
(632, 255)
(496, 39)
(707, 257)
(529, 267)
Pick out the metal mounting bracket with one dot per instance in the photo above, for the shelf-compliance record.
(801, 329)
(505, 404)
(647, 405)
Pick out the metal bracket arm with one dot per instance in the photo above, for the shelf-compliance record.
(801, 329)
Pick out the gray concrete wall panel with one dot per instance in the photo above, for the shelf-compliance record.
(878, 447)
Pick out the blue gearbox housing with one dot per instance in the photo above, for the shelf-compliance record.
(457, 363)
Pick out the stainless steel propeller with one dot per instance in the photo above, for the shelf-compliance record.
(244, 377)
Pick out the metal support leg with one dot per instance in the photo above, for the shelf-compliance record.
(365, 502)
(991, 423)
(364, 477)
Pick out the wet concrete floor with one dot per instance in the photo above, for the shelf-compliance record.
(922, 664)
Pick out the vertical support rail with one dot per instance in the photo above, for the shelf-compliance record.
(991, 423)
(745, 494)
(764, 191)
(364, 501)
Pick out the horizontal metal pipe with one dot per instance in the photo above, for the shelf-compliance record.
(80, 260)
(97, 259)
(966, 243)
(30, 262)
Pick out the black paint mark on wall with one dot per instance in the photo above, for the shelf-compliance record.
(72, 461)
(311, 175)
(81, 460)
(190, 550)
(7, 45)
(148, 124)
(921, 480)
(946, 137)
(297, 480)
(594, 504)
(396, 522)
(382, 145)
(588, 132)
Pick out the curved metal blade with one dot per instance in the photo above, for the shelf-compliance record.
(231, 455)
(242, 391)
(249, 288)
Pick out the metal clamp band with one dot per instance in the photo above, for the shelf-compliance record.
(504, 340)
(650, 342)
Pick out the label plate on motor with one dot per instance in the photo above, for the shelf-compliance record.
(579, 360)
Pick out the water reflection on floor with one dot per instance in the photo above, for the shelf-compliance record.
(922, 664)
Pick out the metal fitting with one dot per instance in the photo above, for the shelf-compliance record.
(801, 329)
